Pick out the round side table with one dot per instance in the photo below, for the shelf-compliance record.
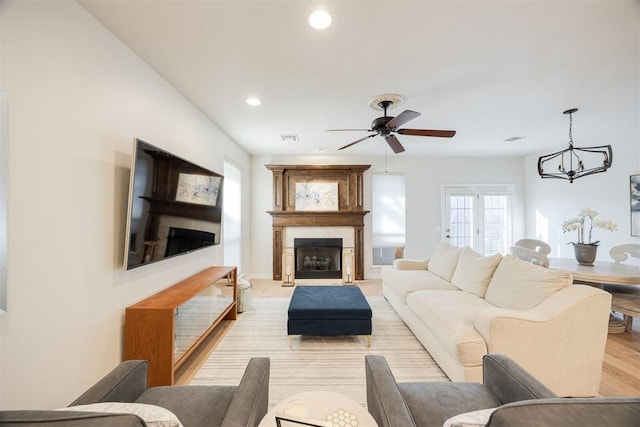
(325, 406)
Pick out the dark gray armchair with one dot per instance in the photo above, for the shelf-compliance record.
(520, 398)
(228, 406)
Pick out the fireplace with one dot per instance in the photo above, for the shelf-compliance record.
(348, 212)
(318, 258)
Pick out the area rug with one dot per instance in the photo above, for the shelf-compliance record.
(315, 363)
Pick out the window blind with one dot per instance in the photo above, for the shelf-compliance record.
(388, 210)
(232, 208)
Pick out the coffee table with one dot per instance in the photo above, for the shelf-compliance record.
(329, 311)
(323, 406)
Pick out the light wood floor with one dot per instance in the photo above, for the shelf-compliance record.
(620, 370)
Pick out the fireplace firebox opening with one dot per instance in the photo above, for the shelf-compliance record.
(318, 258)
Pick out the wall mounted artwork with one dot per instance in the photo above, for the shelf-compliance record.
(635, 204)
(316, 196)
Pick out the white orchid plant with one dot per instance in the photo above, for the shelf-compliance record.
(578, 224)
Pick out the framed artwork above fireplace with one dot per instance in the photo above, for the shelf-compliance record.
(316, 196)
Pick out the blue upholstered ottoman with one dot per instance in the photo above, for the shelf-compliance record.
(329, 310)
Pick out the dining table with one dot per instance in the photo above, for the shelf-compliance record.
(601, 272)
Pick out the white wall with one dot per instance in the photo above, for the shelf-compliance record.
(77, 97)
(424, 180)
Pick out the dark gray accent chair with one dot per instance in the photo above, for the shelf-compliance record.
(228, 406)
(520, 398)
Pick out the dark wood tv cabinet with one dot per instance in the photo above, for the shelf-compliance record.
(167, 327)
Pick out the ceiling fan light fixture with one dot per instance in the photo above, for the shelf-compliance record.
(387, 126)
(570, 163)
(320, 20)
(392, 100)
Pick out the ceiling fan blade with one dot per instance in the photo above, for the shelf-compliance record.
(427, 132)
(359, 140)
(402, 118)
(394, 144)
(348, 130)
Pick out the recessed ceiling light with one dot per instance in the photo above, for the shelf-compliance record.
(320, 20)
(253, 101)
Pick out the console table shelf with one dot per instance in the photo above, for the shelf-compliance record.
(167, 327)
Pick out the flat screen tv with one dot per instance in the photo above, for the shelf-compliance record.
(175, 206)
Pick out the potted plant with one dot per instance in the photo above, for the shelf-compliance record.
(584, 223)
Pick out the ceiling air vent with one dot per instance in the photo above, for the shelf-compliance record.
(290, 137)
(515, 139)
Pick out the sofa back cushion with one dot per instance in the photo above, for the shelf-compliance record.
(443, 260)
(520, 285)
(474, 271)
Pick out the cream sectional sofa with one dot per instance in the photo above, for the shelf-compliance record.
(462, 305)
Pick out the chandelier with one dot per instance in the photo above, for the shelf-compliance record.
(571, 162)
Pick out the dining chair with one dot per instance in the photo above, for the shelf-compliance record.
(532, 250)
(625, 303)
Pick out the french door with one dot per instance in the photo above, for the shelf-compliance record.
(478, 217)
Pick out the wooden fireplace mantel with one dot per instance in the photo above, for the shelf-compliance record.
(311, 219)
(350, 211)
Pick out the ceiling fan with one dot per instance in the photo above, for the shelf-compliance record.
(386, 126)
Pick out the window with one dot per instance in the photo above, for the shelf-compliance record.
(387, 217)
(478, 217)
(232, 207)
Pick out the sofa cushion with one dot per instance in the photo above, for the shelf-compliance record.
(443, 260)
(194, 405)
(520, 285)
(432, 403)
(449, 316)
(474, 271)
(403, 282)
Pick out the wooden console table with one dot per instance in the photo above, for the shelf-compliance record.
(167, 327)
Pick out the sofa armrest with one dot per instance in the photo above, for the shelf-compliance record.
(384, 400)
(509, 382)
(123, 384)
(567, 301)
(410, 264)
(24, 418)
(251, 400)
(560, 341)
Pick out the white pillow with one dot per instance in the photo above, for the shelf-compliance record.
(470, 419)
(474, 271)
(153, 416)
(443, 260)
(520, 285)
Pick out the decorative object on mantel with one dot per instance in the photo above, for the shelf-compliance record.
(347, 268)
(571, 161)
(585, 250)
(287, 264)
